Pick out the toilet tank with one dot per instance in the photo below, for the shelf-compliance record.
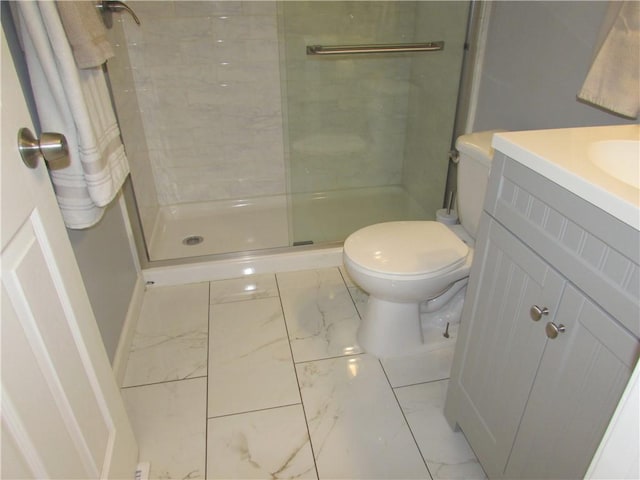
(473, 172)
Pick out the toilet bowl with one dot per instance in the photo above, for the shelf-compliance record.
(402, 265)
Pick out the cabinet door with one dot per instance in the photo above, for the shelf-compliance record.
(581, 377)
(501, 345)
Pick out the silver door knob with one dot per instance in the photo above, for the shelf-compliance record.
(536, 312)
(553, 330)
(51, 147)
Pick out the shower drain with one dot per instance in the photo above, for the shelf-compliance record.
(192, 240)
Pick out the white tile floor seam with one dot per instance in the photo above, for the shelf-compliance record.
(315, 465)
(404, 415)
(286, 392)
(206, 400)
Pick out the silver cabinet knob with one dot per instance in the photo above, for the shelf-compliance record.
(536, 312)
(51, 147)
(553, 330)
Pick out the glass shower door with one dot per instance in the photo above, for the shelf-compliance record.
(367, 134)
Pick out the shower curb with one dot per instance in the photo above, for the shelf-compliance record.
(239, 267)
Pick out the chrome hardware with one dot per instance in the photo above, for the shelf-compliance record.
(52, 147)
(553, 330)
(452, 198)
(385, 48)
(107, 7)
(454, 155)
(536, 312)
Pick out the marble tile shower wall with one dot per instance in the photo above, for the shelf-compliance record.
(131, 126)
(208, 84)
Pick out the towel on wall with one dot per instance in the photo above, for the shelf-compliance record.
(85, 32)
(613, 81)
(76, 103)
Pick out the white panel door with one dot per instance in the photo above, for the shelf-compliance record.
(62, 413)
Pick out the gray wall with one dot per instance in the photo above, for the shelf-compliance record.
(108, 271)
(537, 56)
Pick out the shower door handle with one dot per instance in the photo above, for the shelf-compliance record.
(107, 7)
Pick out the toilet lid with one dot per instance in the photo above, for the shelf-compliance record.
(407, 248)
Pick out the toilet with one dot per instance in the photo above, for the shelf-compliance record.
(402, 265)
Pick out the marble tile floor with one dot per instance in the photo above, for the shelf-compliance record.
(261, 377)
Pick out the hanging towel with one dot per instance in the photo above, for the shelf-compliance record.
(75, 103)
(85, 32)
(613, 81)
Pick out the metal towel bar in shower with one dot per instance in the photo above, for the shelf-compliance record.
(382, 48)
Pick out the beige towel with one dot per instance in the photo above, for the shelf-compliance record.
(613, 81)
(85, 32)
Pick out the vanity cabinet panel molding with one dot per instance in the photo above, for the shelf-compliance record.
(580, 379)
(533, 406)
(595, 251)
(503, 346)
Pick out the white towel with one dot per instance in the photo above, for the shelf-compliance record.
(613, 81)
(76, 103)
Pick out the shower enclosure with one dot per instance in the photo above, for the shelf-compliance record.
(242, 138)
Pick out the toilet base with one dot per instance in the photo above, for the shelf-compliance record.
(401, 335)
(390, 329)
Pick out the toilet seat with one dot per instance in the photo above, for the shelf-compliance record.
(409, 249)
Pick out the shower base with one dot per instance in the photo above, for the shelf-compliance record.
(225, 226)
(209, 228)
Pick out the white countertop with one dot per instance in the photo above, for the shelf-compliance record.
(561, 156)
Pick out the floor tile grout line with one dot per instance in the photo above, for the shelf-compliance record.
(334, 357)
(353, 300)
(163, 382)
(419, 383)
(206, 405)
(295, 371)
(265, 409)
(248, 298)
(405, 419)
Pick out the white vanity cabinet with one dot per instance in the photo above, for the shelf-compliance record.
(550, 327)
